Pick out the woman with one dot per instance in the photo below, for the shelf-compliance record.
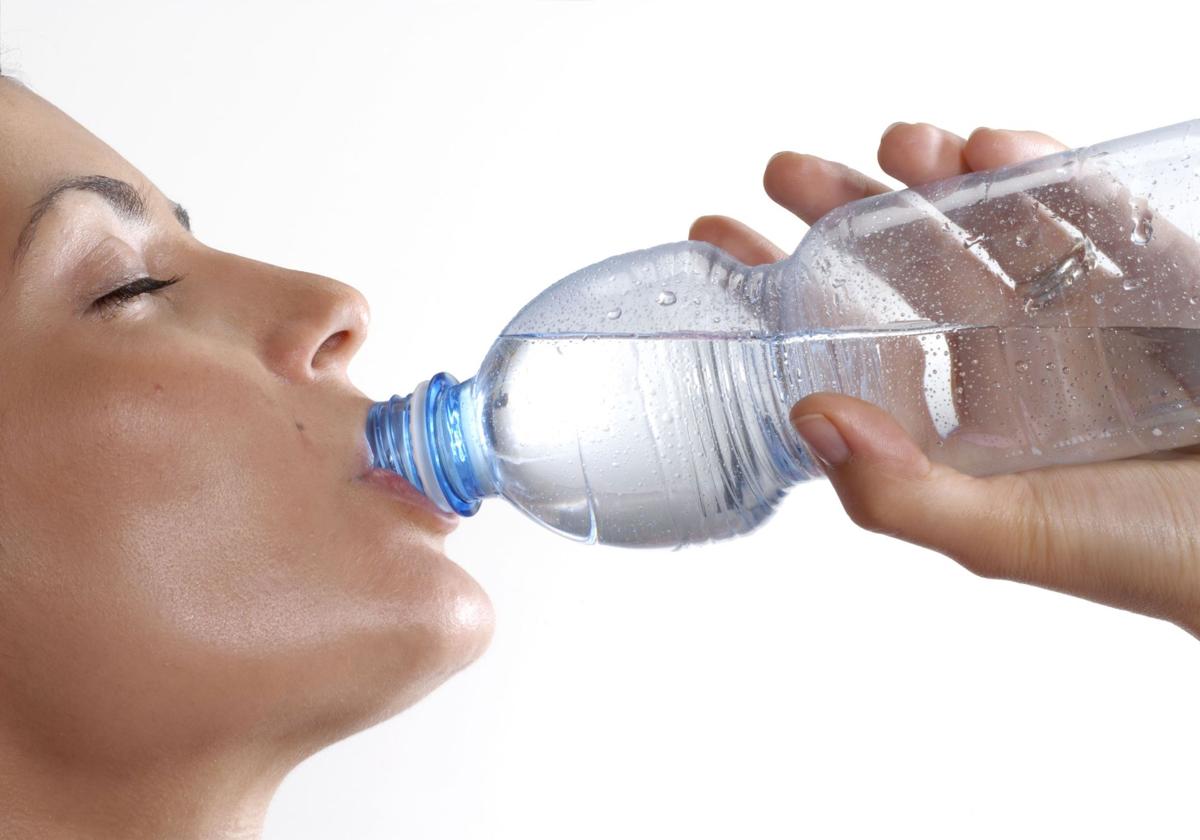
(198, 588)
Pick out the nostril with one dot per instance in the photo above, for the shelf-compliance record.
(331, 344)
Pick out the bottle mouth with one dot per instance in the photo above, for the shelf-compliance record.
(421, 438)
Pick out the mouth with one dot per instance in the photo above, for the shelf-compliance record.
(412, 501)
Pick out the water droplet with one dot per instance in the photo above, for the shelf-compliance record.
(666, 298)
(1022, 366)
(1157, 432)
(1098, 297)
(1131, 283)
(613, 314)
(1049, 365)
(1143, 222)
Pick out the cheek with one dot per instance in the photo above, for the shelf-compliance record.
(165, 485)
(182, 517)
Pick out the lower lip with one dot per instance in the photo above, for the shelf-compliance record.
(397, 486)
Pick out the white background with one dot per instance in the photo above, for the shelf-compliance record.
(451, 161)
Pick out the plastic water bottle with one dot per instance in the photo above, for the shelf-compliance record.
(1041, 313)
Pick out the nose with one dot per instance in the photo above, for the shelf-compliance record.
(317, 326)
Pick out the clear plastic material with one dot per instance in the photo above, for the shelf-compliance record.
(1042, 313)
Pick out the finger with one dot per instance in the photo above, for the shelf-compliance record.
(743, 243)
(810, 187)
(1116, 532)
(887, 484)
(917, 153)
(988, 148)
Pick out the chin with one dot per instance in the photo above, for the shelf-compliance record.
(463, 615)
(392, 667)
(467, 618)
(447, 629)
(407, 618)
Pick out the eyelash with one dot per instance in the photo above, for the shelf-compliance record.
(121, 296)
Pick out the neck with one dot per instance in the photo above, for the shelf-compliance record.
(204, 795)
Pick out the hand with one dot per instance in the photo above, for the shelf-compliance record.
(1124, 533)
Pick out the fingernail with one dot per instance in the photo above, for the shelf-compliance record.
(823, 438)
(889, 128)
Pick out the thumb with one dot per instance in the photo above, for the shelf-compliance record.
(888, 485)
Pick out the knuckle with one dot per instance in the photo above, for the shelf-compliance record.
(874, 512)
(1016, 542)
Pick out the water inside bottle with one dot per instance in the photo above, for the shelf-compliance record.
(574, 419)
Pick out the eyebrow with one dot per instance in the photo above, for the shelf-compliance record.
(124, 199)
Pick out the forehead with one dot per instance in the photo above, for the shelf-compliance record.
(39, 147)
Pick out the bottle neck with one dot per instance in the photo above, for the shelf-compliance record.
(432, 438)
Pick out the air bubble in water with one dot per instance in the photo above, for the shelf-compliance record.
(1143, 222)
(1051, 283)
(1022, 366)
(1131, 283)
(666, 298)
(1157, 432)
(613, 314)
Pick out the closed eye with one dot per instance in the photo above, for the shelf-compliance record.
(121, 295)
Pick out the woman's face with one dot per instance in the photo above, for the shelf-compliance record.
(187, 552)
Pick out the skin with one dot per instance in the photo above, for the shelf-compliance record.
(1124, 533)
(197, 589)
